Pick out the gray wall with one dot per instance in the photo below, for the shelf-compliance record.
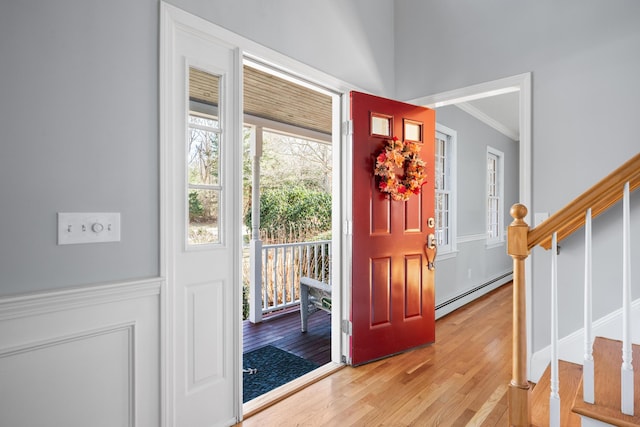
(351, 40)
(485, 264)
(79, 116)
(79, 107)
(585, 62)
(78, 132)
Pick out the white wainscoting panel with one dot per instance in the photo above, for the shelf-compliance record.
(81, 357)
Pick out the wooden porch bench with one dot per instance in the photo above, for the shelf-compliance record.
(313, 292)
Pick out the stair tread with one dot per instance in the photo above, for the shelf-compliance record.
(607, 354)
(570, 377)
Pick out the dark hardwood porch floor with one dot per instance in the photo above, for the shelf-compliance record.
(283, 331)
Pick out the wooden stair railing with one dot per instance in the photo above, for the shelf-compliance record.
(521, 239)
(599, 198)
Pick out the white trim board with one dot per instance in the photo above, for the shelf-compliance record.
(471, 93)
(571, 347)
(73, 298)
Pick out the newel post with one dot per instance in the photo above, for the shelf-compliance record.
(519, 390)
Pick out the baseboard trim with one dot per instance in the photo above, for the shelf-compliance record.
(458, 301)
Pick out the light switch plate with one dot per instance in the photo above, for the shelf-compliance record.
(88, 227)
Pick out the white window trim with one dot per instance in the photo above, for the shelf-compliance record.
(498, 241)
(452, 250)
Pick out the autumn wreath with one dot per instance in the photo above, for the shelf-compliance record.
(397, 154)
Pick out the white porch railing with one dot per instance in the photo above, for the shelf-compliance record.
(282, 266)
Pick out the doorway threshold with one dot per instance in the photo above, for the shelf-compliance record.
(276, 395)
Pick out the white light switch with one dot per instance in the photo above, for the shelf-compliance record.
(88, 227)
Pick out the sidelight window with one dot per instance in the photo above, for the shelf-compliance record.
(203, 158)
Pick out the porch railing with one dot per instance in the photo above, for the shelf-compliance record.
(281, 267)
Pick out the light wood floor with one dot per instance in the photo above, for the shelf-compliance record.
(461, 380)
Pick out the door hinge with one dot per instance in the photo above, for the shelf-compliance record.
(348, 227)
(347, 327)
(347, 128)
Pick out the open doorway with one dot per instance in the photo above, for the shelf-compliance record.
(201, 192)
(504, 104)
(287, 227)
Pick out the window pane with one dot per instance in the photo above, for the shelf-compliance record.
(204, 87)
(380, 125)
(204, 156)
(204, 210)
(412, 131)
(210, 122)
(440, 164)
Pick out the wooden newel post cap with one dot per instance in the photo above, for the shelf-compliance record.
(517, 232)
(518, 212)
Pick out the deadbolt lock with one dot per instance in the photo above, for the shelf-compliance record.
(431, 223)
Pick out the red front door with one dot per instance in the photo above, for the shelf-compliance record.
(392, 306)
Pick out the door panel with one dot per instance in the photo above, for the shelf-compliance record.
(392, 306)
(380, 291)
(413, 286)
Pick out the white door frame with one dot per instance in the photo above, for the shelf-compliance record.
(521, 83)
(171, 15)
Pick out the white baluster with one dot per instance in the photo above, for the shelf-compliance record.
(293, 283)
(299, 269)
(329, 258)
(554, 398)
(588, 374)
(275, 275)
(626, 370)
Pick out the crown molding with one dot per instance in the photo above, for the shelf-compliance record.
(488, 120)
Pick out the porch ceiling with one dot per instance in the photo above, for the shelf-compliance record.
(270, 97)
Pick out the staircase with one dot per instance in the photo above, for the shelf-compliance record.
(607, 378)
(574, 411)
